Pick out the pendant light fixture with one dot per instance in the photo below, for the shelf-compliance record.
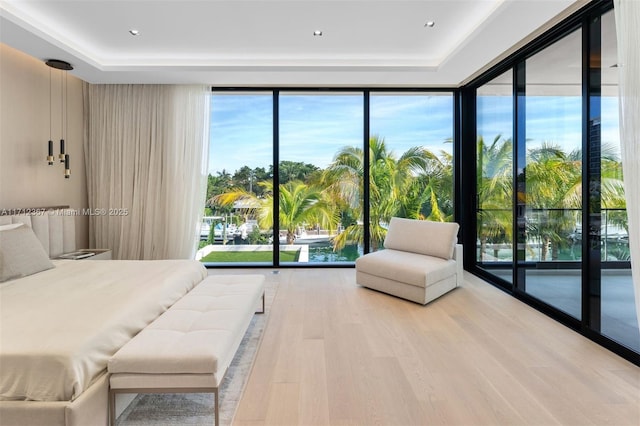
(63, 157)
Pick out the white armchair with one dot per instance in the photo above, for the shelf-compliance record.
(421, 261)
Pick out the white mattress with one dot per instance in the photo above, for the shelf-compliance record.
(59, 327)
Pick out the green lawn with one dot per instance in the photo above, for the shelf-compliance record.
(249, 256)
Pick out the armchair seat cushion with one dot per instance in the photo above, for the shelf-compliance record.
(407, 267)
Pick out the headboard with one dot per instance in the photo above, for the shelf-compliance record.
(55, 226)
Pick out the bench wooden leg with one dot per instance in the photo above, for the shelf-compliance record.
(216, 414)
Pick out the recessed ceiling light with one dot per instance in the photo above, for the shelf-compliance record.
(134, 32)
(429, 24)
(317, 33)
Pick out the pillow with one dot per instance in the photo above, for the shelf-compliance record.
(422, 236)
(21, 253)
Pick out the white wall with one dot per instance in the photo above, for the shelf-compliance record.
(26, 180)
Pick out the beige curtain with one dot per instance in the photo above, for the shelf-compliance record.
(627, 14)
(146, 159)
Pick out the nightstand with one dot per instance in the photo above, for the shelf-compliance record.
(92, 254)
(100, 254)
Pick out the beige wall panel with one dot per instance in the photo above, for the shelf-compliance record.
(26, 124)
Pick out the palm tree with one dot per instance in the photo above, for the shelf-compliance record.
(436, 200)
(612, 190)
(495, 192)
(397, 187)
(343, 183)
(299, 204)
(553, 191)
(554, 184)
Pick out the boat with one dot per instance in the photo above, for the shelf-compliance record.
(219, 231)
(231, 231)
(302, 237)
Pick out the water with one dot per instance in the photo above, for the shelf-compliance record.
(323, 253)
(318, 253)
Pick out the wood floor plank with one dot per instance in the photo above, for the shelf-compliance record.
(346, 380)
(336, 353)
(314, 404)
(283, 404)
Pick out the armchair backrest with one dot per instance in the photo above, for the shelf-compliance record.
(436, 239)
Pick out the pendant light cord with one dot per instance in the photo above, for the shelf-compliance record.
(50, 106)
(66, 105)
(61, 106)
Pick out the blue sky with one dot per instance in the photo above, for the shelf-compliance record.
(405, 121)
(551, 119)
(313, 127)
(241, 132)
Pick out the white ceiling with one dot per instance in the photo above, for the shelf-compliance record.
(271, 42)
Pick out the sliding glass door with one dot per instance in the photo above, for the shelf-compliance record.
(552, 176)
(551, 217)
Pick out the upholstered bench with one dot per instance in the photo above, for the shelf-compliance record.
(190, 346)
(420, 262)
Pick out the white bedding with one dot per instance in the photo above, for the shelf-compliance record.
(59, 327)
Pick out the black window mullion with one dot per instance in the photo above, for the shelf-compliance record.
(465, 164)
(276, 178)
(519, 177)
(366, 217)
(591, 174)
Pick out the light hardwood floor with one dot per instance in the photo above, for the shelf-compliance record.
(336, 353)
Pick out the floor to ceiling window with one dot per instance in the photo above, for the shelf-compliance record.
(552, 192)
(548, 128)
(411, 159)
(237, 226)
(310, 208)
(320, 199)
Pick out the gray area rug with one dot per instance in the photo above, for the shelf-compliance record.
(197, 408)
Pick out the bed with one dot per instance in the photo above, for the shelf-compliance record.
(60, 326)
